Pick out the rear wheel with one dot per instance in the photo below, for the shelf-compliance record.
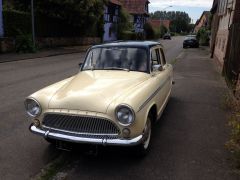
(143, 148)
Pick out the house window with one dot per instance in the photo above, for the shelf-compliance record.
(146, 7)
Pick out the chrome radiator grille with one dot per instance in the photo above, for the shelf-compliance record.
(80, 124)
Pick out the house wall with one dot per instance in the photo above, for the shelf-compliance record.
(139, 21)
(221, 42)
(236, 19)
(214, 29)
(202, 23)
(111, 16)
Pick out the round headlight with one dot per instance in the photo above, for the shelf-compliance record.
(33, 108)
(125, 115)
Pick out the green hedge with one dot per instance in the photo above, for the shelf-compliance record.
(128, 35)
(16, 22)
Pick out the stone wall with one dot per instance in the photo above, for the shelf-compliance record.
(74, 41)
(7, 45)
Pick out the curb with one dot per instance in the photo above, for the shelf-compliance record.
(42, 56)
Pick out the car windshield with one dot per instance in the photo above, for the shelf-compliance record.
(117, 58)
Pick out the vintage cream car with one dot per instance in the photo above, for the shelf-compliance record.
(121, 90)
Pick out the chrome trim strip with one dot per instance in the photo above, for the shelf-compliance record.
(64, 137)
(95, 134)
(152, 95)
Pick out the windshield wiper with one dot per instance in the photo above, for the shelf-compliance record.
(116, 68)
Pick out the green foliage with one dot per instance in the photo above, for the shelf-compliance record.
(234, 122)
(179, 20)
(24, 43)
(15, 22)
(83, 17)
(149, 31)
(203, 37)
(124, 27)
(128, 35)
(163, 30)
(85, 14)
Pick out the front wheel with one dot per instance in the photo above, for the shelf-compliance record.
(143, 148)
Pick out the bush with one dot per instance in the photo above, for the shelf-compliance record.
(46, 26)
(149, 31)
(203, 37)
(128, 35)
(15, 21)
(24, 43)
(234, 122)
(124, 26)
(163, 30)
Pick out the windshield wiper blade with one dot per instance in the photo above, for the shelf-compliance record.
(116, 68)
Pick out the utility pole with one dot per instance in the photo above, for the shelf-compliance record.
(1, 20)
(33, 23)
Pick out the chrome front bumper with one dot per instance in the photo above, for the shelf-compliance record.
(71, 138)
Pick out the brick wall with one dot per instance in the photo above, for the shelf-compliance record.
(8, 44)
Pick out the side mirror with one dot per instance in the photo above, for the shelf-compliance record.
(80, 65)
(157, 67)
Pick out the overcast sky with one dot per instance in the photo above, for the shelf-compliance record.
(193, 7)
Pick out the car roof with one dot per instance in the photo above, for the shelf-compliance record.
(140, 44)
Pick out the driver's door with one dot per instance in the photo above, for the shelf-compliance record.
(160, 76)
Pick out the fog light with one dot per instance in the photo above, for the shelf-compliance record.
(126, 132)
(36, 122)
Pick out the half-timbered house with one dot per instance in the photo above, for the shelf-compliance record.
(111, 18)
(139, 11)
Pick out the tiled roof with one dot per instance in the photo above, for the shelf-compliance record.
(135, 6)
(156, 23)
(116, 2)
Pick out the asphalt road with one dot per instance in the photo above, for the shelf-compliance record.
(187, 142)
(23, 154)
(175, 150)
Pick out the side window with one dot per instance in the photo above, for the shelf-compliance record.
(163, 57)
(155, 57)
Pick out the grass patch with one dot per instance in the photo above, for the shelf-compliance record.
(50, 171)
(233, 144)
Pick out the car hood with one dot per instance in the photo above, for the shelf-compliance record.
(95, 90)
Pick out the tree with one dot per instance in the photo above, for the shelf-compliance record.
(149, 31)
(84, 14)
(163, 30)
(203, 36)
(179, 20)
(124, 24)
